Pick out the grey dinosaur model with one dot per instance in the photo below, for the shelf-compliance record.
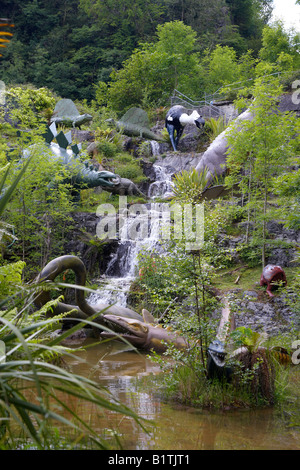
(214, 158)
(82, 173)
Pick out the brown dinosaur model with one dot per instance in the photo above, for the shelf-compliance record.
(82, 310)
(141, 334)
(271, 276)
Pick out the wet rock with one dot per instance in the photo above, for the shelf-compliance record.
(177, 162)
(82, 241)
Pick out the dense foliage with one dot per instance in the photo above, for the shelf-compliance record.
(70, 46)
(110, 56)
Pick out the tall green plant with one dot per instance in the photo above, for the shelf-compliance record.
(260, 149)
(189, 186)
(40, 207)
(214, 127)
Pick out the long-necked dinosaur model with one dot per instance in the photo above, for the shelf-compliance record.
(140, 331)
(82, 310)
(272, 276)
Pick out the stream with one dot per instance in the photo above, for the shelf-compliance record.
(176, 427)
(120, 369)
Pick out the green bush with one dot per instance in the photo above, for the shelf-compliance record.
(29, 105)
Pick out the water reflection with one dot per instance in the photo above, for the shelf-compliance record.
(174, 428)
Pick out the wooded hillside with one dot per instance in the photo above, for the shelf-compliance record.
(69, 46)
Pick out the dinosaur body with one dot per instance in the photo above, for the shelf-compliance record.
(133, 130)
(139, 330)
(142, 335)
(82, 310)
(66, 113)
(176, 119)
(135, 122)
(271, 276)
(214, 158)
(82, 174)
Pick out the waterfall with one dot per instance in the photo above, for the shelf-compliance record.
(163, 183)
(114, 285)
(155, 149)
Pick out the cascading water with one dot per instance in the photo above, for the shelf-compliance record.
(163, 183)
(121, 269)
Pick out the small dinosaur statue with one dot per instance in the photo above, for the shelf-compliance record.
(271, 276)
(66, 113)
(217, 363)
(135, 122)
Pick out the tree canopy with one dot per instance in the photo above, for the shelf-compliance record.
(71, 45)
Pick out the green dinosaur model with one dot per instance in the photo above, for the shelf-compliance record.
(66, 113)
(82, 173)
(135, 122)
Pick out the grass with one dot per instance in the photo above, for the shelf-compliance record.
(248, 278)
(188, 387)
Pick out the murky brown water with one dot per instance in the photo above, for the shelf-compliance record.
(176, 428)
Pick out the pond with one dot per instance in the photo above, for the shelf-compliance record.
(176, 427)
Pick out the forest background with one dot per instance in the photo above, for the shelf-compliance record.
(80, 48)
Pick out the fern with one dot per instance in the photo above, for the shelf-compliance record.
(214, 127)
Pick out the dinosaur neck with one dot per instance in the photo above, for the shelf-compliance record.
(186, 119)
(56, 267)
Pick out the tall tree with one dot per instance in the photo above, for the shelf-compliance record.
(259, 150)
(154, 70)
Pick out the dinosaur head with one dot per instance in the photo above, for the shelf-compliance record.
(199, 121)
(141, 334)
(217, 352)
(108, 179)
(133, 331)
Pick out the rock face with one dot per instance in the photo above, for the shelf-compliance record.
(82, 241)
(271, 316)
(284, 255)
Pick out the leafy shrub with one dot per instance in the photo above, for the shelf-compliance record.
(108, 149)
(189, 185)
(30, 105)
(10, 278)
(214, 127)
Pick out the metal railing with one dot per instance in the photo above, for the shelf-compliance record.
(207, 105)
